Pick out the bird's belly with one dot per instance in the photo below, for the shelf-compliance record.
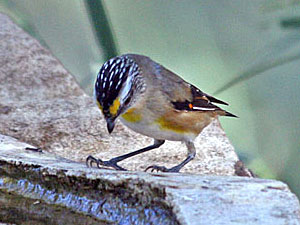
(157, 131)
(173, 126)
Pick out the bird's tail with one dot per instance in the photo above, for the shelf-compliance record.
(230, 114)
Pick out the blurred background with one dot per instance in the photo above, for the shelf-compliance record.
(245, 52)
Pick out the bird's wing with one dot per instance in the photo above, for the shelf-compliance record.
(185, 96)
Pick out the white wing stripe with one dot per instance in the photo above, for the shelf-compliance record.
(204, 109)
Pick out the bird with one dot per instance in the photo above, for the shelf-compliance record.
(153, 101)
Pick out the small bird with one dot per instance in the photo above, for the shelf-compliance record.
(153, 101)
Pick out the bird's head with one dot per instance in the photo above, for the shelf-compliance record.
(117, 86)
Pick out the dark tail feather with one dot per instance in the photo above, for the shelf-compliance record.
(213, 99)
(230, 114)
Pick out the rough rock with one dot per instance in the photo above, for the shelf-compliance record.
(41, 104)
(56, 186)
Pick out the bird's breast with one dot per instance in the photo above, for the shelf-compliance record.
(174, 126)
(132, 115)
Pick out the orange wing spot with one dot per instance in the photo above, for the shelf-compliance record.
(191, 106)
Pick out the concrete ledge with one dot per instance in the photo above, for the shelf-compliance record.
(48, 181)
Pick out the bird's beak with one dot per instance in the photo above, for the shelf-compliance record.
(110, 124)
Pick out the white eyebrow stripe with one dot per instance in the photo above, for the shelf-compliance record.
(130, 70)
(204, 109)
(126, 88)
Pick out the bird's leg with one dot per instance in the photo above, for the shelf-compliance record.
(113, 162)
(191, 155)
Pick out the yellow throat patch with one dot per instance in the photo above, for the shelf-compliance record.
(132, 116)
(113, 109)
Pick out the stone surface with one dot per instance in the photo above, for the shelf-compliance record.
(41, 104)
(124, 197)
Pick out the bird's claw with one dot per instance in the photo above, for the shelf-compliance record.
(34, 149)
(162, 169)
(100, 163)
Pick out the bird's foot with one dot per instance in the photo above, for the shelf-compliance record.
(99, 162)
(156, 168)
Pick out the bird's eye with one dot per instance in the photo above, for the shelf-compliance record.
(127, 100)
